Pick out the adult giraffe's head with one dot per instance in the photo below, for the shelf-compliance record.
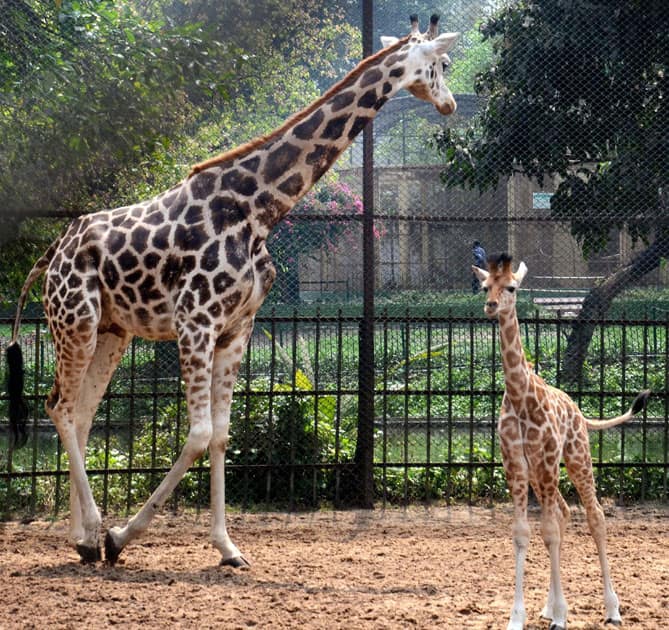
(499, 283)
(426, 60)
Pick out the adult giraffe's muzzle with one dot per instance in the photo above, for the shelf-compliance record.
(447, 108)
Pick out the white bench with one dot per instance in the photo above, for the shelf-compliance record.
(568, 306)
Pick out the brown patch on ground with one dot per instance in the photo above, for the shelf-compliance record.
(416, 568)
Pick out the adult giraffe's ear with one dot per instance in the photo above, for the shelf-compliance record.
(387, 40)
(520, 274)
(481, 274)
(444, 42)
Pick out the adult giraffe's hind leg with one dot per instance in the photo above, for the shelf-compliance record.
(227, 359)
(74, 352)
(108, 352)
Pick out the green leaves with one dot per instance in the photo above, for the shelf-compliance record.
(578, 91)
(101, 80)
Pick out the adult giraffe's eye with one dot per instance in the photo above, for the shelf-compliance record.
(510, 289)
(444, 65)
(485, 289)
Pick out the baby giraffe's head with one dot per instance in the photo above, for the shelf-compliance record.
(499, 284)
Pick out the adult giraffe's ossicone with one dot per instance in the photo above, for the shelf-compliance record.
(192, 264)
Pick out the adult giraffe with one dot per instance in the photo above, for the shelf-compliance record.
(192, 264)
(539, 426)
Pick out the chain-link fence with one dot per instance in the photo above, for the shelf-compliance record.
(556, 155)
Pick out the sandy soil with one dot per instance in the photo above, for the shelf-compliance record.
(414, 568)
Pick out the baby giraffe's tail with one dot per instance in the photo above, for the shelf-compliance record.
(638, 405)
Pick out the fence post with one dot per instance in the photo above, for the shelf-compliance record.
(364, 449)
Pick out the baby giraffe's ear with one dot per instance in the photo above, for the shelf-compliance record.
(520, 274)
(481, 274)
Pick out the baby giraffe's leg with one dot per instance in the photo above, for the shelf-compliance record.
(548, 612)
(579, 467)
(517, 479)
(552, 529)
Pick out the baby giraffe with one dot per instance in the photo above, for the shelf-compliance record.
(539, 426)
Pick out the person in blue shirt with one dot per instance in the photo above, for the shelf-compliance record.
(481, 261)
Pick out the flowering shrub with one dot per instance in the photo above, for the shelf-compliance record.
(335, 203)
(323, 218)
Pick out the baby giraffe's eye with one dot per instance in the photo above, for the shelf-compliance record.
(484, 289)
(510, 289)
(444, 65)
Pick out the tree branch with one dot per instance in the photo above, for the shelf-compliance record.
(598, 302)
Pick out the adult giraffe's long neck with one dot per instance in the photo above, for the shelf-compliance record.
(516, 369)
(275, 171)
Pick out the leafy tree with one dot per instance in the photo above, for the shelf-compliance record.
(105, 103)
(476, 57)
(92, 89)
(104, 88)
(578, 90)
(290, 52)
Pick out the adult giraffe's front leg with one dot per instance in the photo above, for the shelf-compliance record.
(227, 358)
(196, 369)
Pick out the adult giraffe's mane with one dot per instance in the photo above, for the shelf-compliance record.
(246, 148)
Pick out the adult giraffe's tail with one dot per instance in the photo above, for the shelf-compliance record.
(638, 405)
(18, 408)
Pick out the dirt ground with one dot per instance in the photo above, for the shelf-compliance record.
(415, 568)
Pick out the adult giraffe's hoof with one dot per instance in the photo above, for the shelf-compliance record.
(555, 626)
(88, 555)
(112, 550)
(614, 622)
(238, 562)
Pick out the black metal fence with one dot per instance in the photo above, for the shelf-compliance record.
(437, 390)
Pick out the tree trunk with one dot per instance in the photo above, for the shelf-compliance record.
(598, 302)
